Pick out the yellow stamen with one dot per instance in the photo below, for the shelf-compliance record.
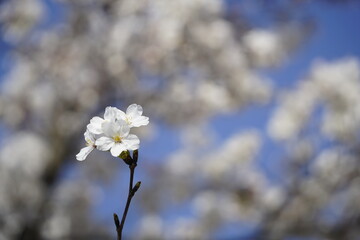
(128, 120)
(117, 139)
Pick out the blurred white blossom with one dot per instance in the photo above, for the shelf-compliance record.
(333, 166)
(21, 17)
(25, 152)
(265, 46)
(295, 109)
(233, 155)
(185, 228)
(336, 86)
(150, 227)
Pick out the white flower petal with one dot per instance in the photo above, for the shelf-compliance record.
(95, 125)
(111, 113)
(131, 142)
(124, 129)
(110, 129)
(84, 152)
(104, 143)
(134, 110)
(117, 149)
(120, 115)
(140, 121)
(89, 137)
(97, 120)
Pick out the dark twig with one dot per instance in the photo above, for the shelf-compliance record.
(132, 190)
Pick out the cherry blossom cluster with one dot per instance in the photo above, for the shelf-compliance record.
(112, 133)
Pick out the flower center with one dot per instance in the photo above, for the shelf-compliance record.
(128, 119)
(117, 139)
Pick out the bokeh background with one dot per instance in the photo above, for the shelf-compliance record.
(254, 113)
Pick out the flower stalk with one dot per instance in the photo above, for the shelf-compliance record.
(132, 162)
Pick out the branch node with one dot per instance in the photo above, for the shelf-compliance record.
(136, 187)
(116, 220)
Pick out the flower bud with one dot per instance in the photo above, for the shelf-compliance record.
(125, 155)
(137, 186)
(135, 155)
(116, 220)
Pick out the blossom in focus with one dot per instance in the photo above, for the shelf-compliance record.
(117, 138)
(113, 131)
(133, 116)
(90, 145)
(111, 114)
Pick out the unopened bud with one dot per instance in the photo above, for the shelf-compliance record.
(116, 220)
(136, 187)
(125, 155)
(136, 155)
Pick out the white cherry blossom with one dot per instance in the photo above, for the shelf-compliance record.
(113, 131)
(90, 145)
(133, 116)
(111, 114)
(117, 138)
